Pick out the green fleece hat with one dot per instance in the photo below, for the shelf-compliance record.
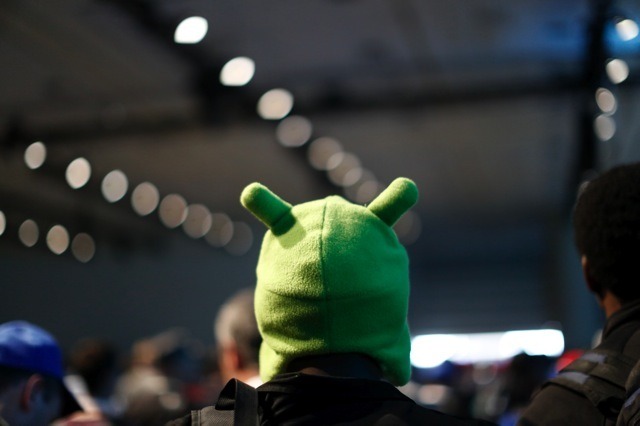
(333, 278)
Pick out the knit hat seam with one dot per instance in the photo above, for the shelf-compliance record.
(326, 297)
(302, 298)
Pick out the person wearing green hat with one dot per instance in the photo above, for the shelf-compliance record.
(331, 303)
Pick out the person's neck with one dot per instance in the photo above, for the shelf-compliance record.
(243, 374)
(337, 365)
(610, 303)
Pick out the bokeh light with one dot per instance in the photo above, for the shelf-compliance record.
(198, 221)
(35, 155)
(408, 228)
(367, 191)
(344, 169)
(237, 72)
(241, 241)
(275, 104)
(83, 247)
(28, 232)
(294, 131)
(58, 239)
(606, 101)
(604, 127)
(192, 30)
(221, 230)
(364, 190)
(617, 70)
(321, 150)
(114, 186)
(173, 210)
(78, 173)
(145, 198)
(627, 29)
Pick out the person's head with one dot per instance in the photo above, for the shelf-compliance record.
(237, 336)
(606, 223)
(332, 278)
(177, 354)
(96, 361)
(31, 376)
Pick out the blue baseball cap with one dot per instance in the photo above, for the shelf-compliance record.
(28, 347)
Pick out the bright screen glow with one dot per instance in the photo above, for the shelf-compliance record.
(431, 350)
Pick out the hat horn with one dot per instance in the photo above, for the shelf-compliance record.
(394, 201)
(264, 204)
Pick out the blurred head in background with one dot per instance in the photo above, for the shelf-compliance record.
(238, 339)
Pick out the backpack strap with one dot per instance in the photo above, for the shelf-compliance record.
(237, 406)
(599, 375)
(630, 411)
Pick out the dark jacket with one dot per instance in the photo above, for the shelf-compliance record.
(301, 399)
(558, 405)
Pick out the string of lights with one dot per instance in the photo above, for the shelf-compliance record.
(324, 153)
(173, 211)
(343, 169)
(612, 34)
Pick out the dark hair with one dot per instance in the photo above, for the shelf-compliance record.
(606, 223)
(236, 322)
(96, 361)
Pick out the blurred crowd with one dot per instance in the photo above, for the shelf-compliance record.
(165, 376)
(325, 328)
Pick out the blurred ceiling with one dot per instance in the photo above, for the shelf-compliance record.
(480, 102)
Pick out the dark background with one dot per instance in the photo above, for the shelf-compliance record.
(487, 105)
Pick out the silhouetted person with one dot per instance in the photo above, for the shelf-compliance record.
(94, 367)
(606, 223)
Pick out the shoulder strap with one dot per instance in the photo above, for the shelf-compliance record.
(630, 411)
(237, 406)
(599, 375)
